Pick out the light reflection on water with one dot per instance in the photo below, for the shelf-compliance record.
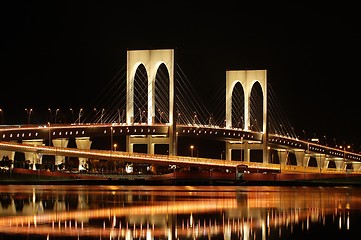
(178, 212)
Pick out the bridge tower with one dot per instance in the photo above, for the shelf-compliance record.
(247, 79)
(151, 60)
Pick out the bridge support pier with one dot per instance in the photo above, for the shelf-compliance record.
(242, 146)
(83, 143)
(149, 140)
(34, 158)
(321, 160)
(283, 156)
(356, 166)
(246, 148)
(300, 157)
(63, 143)
(340, 164)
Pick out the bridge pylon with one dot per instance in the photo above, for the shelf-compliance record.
(151, 60)
(247, 79)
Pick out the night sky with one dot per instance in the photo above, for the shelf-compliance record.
(59, 54)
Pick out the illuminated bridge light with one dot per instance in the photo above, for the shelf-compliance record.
(3, 135)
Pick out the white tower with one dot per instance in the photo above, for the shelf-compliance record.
(151, 60)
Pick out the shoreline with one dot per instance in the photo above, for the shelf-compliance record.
(19, 176)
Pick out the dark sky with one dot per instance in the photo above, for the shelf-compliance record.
(60, 54)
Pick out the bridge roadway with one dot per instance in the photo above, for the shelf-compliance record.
(17, 133)
(132, 157)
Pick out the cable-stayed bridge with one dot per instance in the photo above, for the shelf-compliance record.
(151, 102)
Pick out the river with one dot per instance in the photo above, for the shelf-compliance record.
(179, 212)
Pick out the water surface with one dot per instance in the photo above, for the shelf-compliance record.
(179, 212)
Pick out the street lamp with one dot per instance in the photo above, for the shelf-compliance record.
(51, 116)
(111, 138)
(80, 112)
(115, 146)
(28, 112)
(192, 148)
(72, 114)
(194, 117)
(101, 116)
(160, 115)
(49, 134)
(56, 114)
(2, 116)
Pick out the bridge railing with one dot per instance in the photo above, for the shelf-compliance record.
(308, 169)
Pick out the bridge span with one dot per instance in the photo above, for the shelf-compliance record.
(21, 138)
(158, 111)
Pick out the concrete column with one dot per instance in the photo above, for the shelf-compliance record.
(148, 140)
(244, 147)
(228, 151)
(282, 156)
(61, 143)
(356, 166)
(83, 143)
(34, 158)
(321, 159)
(300, 156)
(306, 159)
(247, 152)
(151, 148)
(340, 165)
(326, 163)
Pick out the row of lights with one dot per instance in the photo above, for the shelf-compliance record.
(234, 134)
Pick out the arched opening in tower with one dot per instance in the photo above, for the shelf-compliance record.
(238, 106)
(256, 108)
(161, 96)
(140, 102)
